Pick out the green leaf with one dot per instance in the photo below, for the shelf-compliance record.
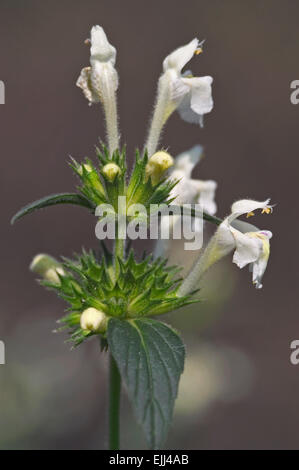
(150, 357)
(51, 200)
(209, 218)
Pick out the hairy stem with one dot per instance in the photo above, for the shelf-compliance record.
(160, 116)
(114, 404)
(110, 110)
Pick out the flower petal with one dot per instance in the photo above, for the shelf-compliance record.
(248, 249)
(101, 50)
(244, 227)
(84, 82)
(247, 206)
(179, 58)
(198, 101)
(187, 113)
(259, 267)
(187, 160)
(206, 196)
(201, 94)
(184, 191)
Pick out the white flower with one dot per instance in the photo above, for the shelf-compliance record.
(206, 195)
(101, 50)
(250, 245)
(247, 206)
(191, 96)
(99, 82)
(187, 191)
(102, 61)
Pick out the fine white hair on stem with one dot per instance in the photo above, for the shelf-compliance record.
(110, 111)
(159, 116)
(191, 96)
(99, 82)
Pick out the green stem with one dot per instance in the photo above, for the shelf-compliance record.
(194, 213)
(119, 248)
(114, 404)
(209, 218)
(205, 216)
(114, 376)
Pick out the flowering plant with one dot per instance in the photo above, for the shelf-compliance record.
(116, 297)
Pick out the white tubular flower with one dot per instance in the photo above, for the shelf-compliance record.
(250, 245)
(191, 96)
(93, 320)
(100, 81)
(188, 190)
(47, 267)
(247, 206)
(185, 191)
(206, 196)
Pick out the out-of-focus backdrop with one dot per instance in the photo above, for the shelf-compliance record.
(239, 389)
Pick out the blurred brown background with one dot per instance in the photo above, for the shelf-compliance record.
(240, 390)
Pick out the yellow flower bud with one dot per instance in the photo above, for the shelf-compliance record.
(110, 171)
(157, 165)
(93, 320)
(47, 267)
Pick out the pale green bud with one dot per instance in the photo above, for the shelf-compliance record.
(110, 171)
(47, 267)
(86, 166)
(93, 320)
(157, 165)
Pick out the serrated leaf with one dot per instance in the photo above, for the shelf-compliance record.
(51, 200)
(150, 356)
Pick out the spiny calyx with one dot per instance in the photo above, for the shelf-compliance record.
(97, 290)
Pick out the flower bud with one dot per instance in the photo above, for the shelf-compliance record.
(86, 167)
(110, 171)
(157, 165)
(93, 320)
(90, 177)
(47, 267)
